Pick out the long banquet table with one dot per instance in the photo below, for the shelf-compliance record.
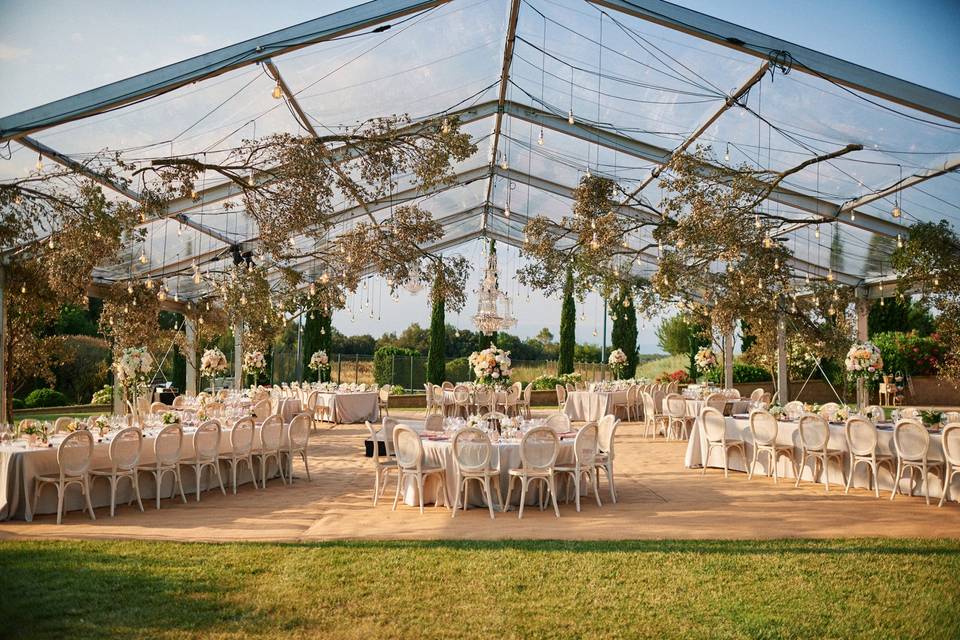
(738, 427)
(350, 408)
(590, 406)
(20, 465)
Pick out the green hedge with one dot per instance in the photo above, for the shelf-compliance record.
(383, 367)
(458, 370)
(45, 398)
(549, 383)
(19, 404)
(742, 372)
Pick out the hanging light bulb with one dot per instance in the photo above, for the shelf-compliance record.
(899, 242)
(830, 275)
(594, 333)
(193, 194)
(540, 138)
(506, 211)
(323, 331)
(149, 283)
(277, 92)
(162, 294)
(250, 178)
(196, 277)
(831, 310)
(143, 257)
(756, 221)
(570, 117)
(593, 242)
(130, 288)
(200, 319)
(853, 215)
(313, 289)
(895, 212)
(726, 156)
(23, 288)
(134, 303)
(445, 126)
(776, 263)
(936, 282)
(176, 297)
(243, 299)
(50, 244)
(816, 232)
(39, 164)
(881, 302)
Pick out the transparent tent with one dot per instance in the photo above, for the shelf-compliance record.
(549, 90)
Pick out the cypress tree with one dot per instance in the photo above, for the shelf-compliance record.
(436, 366)
(568, 326)
(624, 334)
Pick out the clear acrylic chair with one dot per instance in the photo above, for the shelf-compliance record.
(270, 446)
(206, 452)
(73, 459)
(381, 466)
(714, 432)
(241, 449)
(473, 455)
(538, 454)
(861, 435)
(125, 451)
(585, 450)
(815, 446)
(166, 453)
(912, 442)
(411, 463)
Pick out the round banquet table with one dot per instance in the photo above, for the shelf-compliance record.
(505, 456)
(733, 406)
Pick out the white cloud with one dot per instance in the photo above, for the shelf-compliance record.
(9, 52)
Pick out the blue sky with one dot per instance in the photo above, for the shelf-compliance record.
(53, 49)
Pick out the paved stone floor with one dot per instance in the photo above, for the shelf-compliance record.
(658, 498)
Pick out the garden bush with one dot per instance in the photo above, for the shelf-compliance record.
(742, 372)
(45, 398)
(18, 403)
(910, 353)
(102, 396)
(384, 359)
(549, 383)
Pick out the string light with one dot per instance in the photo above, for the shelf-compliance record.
(277, 92)
(39, 164)
(540, 138)
(726, 156)
(816, 232)
(899, 242)
(570, 117)
(50, 244)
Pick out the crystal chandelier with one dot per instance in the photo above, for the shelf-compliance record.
(494, 309)
(415, 283)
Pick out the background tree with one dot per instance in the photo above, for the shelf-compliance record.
(899, 314)
(436, 357)
(318, 336)
(568, 327)
(624, 335)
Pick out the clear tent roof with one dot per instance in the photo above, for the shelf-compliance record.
(640, 78)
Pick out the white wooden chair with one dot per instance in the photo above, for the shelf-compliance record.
(206, 452)
(815, 446)
(861, 435)
(434, 422)
(627, 403)
(73, 459)
(538, 454)
(271, 442)
(473, 455)
(461, 401)
(793, 409)
(166, 453)
(561, 397)
(484, 400)
(381, 466)
(951, 451)
(526, 400)
(383, 400)
(412, 463)
(261, 410)
(912, 443)
(298, 439)
(715, 435)
(675, 407)
(125, 451)
(512, 400)
(829, 411)
(652, 418)
(606, 436)
(585, 449)
(875, 414)
(764, 428)
(241, 448)
(559, 422)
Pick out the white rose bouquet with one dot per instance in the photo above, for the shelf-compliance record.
(254, 364)
(132, 371)
(617, 361)
(491, 367)
(319, 362)
(864, 360)
(213, 362)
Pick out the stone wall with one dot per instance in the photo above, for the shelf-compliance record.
(927, 390)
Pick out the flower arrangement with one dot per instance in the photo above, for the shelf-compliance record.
(931, 418)
(705, 359)
(212, 363)
(842, 414)
(319, 362)
(254, 364)
(864, 360)
(169, 418)
(491, 367)
(133, 369)
(680, 376)
(102, 424)
(776, 411)
(617, 361)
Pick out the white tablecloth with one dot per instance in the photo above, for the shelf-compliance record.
(350, 408)
(732, 407)
(789, 433)
(19, 467)
(506, 456)
(590, 406)
(286, 407)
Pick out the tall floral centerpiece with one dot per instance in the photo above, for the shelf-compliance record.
(212, 363)
(132, 372)
(254, 364)
(491, 367)
(705, 360)
(864, 363)
(319, 362)
(617, 362)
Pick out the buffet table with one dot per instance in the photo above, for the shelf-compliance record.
(738, 427)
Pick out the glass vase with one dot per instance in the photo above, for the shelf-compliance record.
(863, 394)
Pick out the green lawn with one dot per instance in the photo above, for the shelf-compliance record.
(776, 589)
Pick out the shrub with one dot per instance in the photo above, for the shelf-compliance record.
(458, 370)
(910, 353)
(102, 396)
(18, 403)
(680, 375)
(742, 372)
(84, 367)
(549, 383)
(45, 398)
(383, 366)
